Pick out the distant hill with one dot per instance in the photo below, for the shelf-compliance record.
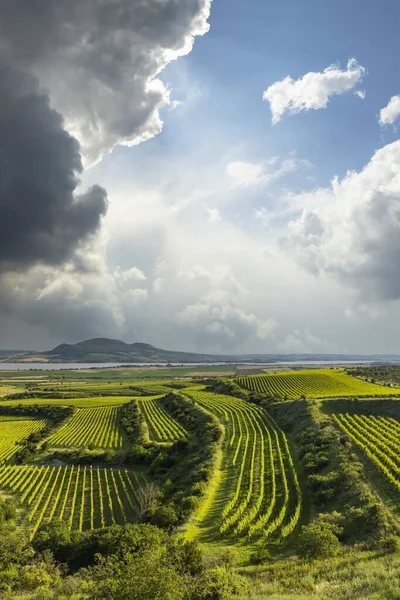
(102, 350)
(106, 350)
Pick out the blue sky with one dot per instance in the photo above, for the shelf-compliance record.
(251, 45)
(224, 231)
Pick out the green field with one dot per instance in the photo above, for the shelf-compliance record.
(14, 432)
(258, 492)
(8, 389)
(162, 427)
(85, 497)
(95, 426)
(238, 478)
(313, 384)
(379, 439)
(75, 402)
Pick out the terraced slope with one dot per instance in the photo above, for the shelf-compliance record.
(321, 383)
(96, 426)
(14, 432)
(379, 439)
(162, 427)
(258, 493)
(85, 497)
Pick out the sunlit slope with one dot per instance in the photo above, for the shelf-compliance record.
(97, 426)
(162, 427)
(321, 383)
(379, 438)
(76, 402)
(85, 497)
(15, 432)
(257, 493)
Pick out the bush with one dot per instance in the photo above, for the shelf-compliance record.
(318, 540)
(219, 583)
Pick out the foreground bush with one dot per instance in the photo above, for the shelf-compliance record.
(318, 540)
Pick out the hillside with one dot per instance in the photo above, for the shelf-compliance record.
(106, 350)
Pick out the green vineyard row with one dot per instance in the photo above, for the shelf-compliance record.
(379, 439)
(84, 496)
(259, 493)
(97, 426)
(313, 384)
(162, 427)
(15, 432)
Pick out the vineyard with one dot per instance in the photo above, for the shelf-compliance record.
(162, 427)
(85, 497)
(14, 432)
(259, 492)
(76, 402)
(313, 384)
(379, 439)
(96, 426)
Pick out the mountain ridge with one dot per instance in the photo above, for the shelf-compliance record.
(111, 350)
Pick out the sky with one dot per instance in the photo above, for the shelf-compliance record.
(207, 176)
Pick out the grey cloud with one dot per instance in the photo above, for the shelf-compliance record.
(100, 60)
(42, 219)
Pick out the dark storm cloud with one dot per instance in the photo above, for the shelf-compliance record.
(41, 217)
(77, 77)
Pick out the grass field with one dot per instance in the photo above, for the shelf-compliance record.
(115, 374)
(258, 492)
(314, 384)
(6, 389)
(85, 497)
(76, 402)
(15, 431)
(162, 427)
(95, 426)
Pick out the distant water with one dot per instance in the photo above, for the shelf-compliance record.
(53, 366)
(62, 366)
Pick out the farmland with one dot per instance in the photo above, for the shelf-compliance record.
(313, 384)
(96, 426)
(259, 491)
(379, 439)
(74, 402)
(13, 432)
(84, 497)
(162, 428)
(229, 470)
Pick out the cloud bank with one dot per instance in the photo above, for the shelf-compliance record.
(313, 90)
(352, 228)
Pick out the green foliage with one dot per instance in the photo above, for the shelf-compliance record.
(336, 478)
(134, 424)
(318, 540)
(8, 510)
(40, 574)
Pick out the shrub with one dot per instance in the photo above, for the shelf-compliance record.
(318, 540)
(219, 583)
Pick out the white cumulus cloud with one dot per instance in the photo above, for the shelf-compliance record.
(352, 228)
(313, 90)
(391, 112)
